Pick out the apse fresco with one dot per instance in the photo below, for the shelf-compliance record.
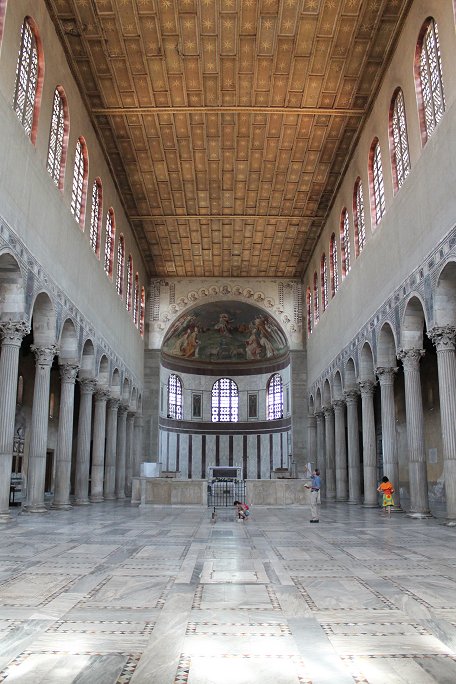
(225, 331)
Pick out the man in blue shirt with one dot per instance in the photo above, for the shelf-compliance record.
(314, 495)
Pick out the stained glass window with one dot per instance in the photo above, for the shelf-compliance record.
(378, 189)
(79, 182)
(316, 300)
(345, 243)
(358, 214)
(275, 398)
(120, 266)
(95, 217)
(225, 401)
(56, 139)
(129, 283)
(333, 265)
(109, 244)
(324, 282)
(431, 82)
(26, 78)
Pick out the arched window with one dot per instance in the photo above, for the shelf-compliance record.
(345, 242)
(225, 401)
(316, 299)
(136, 301)
(309, 310)
(358, 216)
(79, 190)
(376, 180)
(29, 78)
(174, 397)
(129, 283)
(58, 137)
(324, 281)
(400, 158)
(275, 397)
(95, 217)
(120, 266)
(333, 265)
(428, 79)
(109, 242)
(142, 309)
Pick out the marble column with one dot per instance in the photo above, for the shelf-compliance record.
(389, 442)
(111, 450)
(321, 450)
(419, 501)
(62, 481)
(121, 451)
(36, 472)
(330, 453)
(354, 464)
(129, 452)
(98, 447)
(138, 445)
(369, 451)
(444, 339)
(87, 387)
(312, 439)
(12, 334)
(341, 451)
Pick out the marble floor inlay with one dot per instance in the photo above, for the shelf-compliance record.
(110, 594)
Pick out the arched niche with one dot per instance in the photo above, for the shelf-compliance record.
(326, 393)
(68, 345)
(350, 375)
(12, 290)
(103, 372)
(87, 369)
(126, 391)
(318, 401)
(43, 321)
(337, 386)
(366, 363)
(445, 296)
(413, 324)
(386, 347)
(115, 384)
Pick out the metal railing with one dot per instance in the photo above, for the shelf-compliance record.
(222, 492)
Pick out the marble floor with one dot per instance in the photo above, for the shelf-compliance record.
(110, 594)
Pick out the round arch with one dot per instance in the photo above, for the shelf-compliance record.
(413, 324)
(386, 347)
(12, 289)
(445, 296)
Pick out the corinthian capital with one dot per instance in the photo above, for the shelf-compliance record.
(102, 394)
(13, 332)
(351, 396)
(113, 404)
(68, 372)
(410, 358)
(386, 374)
(443, 337)
(339, 404)
(44, 355)
(87, 385)
(366, 387)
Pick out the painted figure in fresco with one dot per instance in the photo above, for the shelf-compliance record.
(224, 325)
(252, 345)
(189, 348)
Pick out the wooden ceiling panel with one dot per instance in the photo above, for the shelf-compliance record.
(244, 113)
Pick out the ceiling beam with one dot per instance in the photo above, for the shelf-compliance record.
(314, 111)
(201, 217)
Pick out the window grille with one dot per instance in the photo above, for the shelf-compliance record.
(334, 265)
(79, 180)
(316, 300)
(129, 282)
(401, 158)
(433, 98)
(225, 401)
(275, 397)
(345, 243)
(142, 308)
(358, 211)
(324, 282)
(26, 78)
(174, 397)
(109, 244)
(120, 266)
(95, 217)
(377, 184)
(309, 310)
(56, 139)
(136, 301)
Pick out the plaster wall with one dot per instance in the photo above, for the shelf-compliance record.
(417, 217)
(40, 213)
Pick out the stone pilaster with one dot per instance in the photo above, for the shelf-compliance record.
(330, 453)
(129, 452)
(369, 451)
(87, 387)
(389, 441)
(98, 447)
(62, 482)
(312, 439)
(36, 472)
(419, 501)
(444, 340)
(354, 467)
(12, 333)
(121, 451)
(111, 449)
(138, 449)
(321, 449)
(341, 451)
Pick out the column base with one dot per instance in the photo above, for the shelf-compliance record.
(109, 497)
(397, 509)
(81, 502)
(120, 496)
(6, 518)
(370, 505)
(341, 499)
(419, 516)
(96, 499)
(61, 506)
(35, 508)
(354, 503)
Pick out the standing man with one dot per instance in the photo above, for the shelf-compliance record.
(314, 495)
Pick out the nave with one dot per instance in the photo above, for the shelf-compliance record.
(114, 594)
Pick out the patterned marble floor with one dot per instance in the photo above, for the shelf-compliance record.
(111, 594)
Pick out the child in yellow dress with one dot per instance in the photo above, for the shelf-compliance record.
(387, 489)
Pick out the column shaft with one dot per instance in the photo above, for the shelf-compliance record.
(138, 445)
(330, 454)
(36, 473)
(62, 483)
(129, 452)
(369, 450)
(111, 450)
(121, 452)
(444, 340)
(98, 448)
(12, 334)
(341, 451)
(312, 439)
(354, 467)
(321, 450)
(87, 388)
(389, 442)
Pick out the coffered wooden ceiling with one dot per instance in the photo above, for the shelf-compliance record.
(228, 123)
